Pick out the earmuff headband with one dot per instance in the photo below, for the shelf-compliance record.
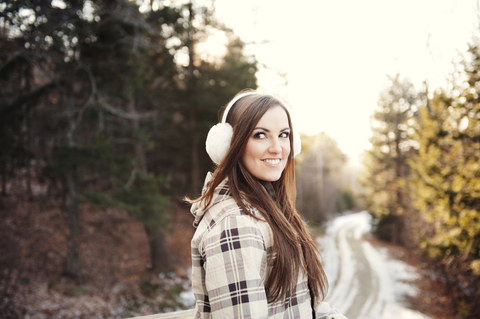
(220, 135)
(229, 106)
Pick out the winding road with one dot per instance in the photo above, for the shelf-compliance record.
(365, 282)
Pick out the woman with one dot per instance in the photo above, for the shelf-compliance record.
(252, 254)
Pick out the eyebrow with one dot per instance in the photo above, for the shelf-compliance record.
(267, 130)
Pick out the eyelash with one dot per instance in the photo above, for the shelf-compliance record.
(262, 135)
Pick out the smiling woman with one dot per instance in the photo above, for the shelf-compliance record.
(252, 254)
(267, 150)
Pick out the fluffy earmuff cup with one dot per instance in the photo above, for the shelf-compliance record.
(218, 141)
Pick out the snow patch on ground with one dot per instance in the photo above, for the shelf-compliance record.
(390, 280)
(186, 296)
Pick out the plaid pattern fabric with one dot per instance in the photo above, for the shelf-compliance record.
(230, 250)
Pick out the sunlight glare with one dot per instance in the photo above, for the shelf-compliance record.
(333, 56)
(214, 47)
(59, 4)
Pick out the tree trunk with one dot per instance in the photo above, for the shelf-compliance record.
(158, 251)
(4, 177)
(73, 255)
(195, 172)
(140, 158)
(400, 210)
(195, 166)
(28, 146)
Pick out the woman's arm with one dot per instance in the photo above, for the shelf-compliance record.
(235, 263)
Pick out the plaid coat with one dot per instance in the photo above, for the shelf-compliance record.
(230, 250)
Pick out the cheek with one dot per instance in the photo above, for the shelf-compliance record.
(248, 153)
(251, 150)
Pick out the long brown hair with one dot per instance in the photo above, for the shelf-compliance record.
(293, 247)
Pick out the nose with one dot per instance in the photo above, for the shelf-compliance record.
(275, 147)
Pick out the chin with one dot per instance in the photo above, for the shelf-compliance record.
(271, 178)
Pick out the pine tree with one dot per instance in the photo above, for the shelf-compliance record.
(320, 177)
(385, 162)
(446, 183)
(96, 104)
(86, 68)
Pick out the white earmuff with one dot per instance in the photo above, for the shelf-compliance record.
(220, 135)
(218, 141)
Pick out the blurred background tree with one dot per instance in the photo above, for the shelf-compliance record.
(104, 107)
(386, 168)
(108, 103)
(323, 186)
(422, 176)
(446, 181)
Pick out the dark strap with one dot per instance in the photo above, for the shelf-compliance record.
(312, 301)
(269, 188)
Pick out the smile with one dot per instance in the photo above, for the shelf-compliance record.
(275, 161)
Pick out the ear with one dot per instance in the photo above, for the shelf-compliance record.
(218, 141)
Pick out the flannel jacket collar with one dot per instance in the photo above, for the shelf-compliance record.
(222, 191)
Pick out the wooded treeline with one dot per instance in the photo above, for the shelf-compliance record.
(423, 176)
(104, 103)
(325, 181)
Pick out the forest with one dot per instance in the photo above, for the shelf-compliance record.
(422, 177)
(104, 110)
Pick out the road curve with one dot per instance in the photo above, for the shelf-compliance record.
(364, 281)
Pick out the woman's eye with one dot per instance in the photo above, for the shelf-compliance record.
(260, 135)
(285, 134)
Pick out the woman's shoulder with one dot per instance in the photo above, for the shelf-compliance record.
(220, 197)
(228, 209)
(223, 205)
(228, 215)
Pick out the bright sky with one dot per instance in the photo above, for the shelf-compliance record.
(335, 54)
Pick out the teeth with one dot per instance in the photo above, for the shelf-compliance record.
(272, 161)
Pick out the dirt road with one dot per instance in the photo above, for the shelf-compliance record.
(365, 282)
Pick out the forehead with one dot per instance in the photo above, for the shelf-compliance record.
(275, 116)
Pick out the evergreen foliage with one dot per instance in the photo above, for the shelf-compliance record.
(446, 182)
(105, 103)
(322, 186)
(423, 176)
(447, 175)
(386, 162)
(347, 200)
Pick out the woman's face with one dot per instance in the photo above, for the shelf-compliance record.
(268, 147)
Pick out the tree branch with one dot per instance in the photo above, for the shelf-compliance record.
(120, 113)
